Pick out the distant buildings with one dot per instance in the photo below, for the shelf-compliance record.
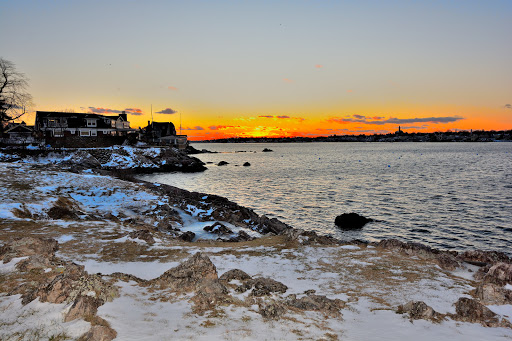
(162, 133)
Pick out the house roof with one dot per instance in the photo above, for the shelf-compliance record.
(19, 128)
(74, 114)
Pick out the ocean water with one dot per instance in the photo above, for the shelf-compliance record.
(446, 195)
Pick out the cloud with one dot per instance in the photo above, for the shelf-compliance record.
(287, 80)
(319, 66)
(378, 117)
(284, 116)
(193, 128)
(508, 106)
(221, 127)
(167, 111)
(266, 116)
(104, 110)
(134, 111)
(393, 120)
(172, 88)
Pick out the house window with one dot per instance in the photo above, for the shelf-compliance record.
(84, 133)
(52, 123)
(58, 133)
(94, 133)
(72, 132)
(91, 123)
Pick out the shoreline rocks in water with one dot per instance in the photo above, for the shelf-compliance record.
(351, 221)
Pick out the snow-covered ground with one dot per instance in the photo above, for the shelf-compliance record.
(372, 282)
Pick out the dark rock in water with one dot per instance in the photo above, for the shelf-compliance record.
(349, 221)
(223, 163)
(188, 236)
(218, 228)
(247, 164)
(266, 150)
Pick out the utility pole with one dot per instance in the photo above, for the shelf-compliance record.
(180, 123)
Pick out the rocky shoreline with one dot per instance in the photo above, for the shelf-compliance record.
(270, 280)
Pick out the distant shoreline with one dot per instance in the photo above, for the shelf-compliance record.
(460, 136)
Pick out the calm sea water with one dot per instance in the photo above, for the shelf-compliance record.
(446, 195)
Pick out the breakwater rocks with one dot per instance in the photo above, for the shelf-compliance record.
(121, 158)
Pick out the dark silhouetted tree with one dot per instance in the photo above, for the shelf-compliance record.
(14, 98)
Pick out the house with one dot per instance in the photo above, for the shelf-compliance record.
(163, 133)
(53, 124)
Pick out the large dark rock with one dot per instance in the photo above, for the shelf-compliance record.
(469, 310)
(223, 163)
(500, 274)
(187, 236)
(247, 164)
(351, 221)
(218, 228)
(316, 303)
(489, 293)
(267, 150)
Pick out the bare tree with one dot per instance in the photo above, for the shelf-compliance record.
(14, 98)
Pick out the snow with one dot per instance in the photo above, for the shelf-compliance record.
(36, 320)
(10, 266)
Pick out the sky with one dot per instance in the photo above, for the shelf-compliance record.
(269, 68)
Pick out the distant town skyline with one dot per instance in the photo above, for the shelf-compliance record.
(267, 68)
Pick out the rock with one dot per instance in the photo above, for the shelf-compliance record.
(28, 246)
(447, 261)
(317, 303)
(263, 286)
(64, 208)
(187, 236)
(266, 150)
(246, 164)
(84, 160)
(236, 274)
(83, 306)
(271, 311)
(410, 249)
(489, 293)
(350, 221)
(242, 236)
(99, 333)
(218, 228)
(499, 273)
(188, 275)
(470, 310)
(144, 235)
(223, 163)
(419, 310)
(481, 258)
(209, 294)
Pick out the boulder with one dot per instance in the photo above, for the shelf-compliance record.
(470, 310)
(209, 294)
(242, 236)
(419, 310)
(262, 286)
(218, 228)
(187, 236)
(64, 208)
(246, 164)
(99, 333)
(489, 293)
(318, 303)
(351, 221)
(271, 310)
(236, 274)
(83, 306)
(188, 275)
(481, 258)
(266, 150)
(499, 273)
(223, 163)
